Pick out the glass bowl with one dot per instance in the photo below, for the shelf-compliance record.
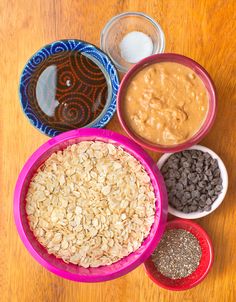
(69, 270)
(119, 26)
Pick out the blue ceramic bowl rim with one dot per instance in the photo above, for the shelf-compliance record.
(66, 45)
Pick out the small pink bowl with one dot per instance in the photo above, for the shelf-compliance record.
(200, 71)
(71, 271)
(204, 266)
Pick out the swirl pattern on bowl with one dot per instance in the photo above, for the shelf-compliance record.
(27, 85)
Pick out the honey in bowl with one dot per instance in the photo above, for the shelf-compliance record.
(67, 90)
(166, 103)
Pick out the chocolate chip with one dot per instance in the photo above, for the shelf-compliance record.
(209, 187)
(193, 208)
(191, 188)
(214, 163)
(211, 193)
(208, 201)
(199, 170)
(207, 208)
(195, 194)
(174, 166)
(208, 173)
(195, 180)
(206, 155)
(201, 159)
(213, 198)
(175, 202)
(185, 173)
(184, 201)
(202, 203)
(187, 155)
(179, 195)
(219, 188)
(214, 182)
(171, 173)
(186, 164)
(184, 181)
(185, 209)
(191, 176)
(187, 195)
(216, 172)
(179, 186)
(194, 176)
(177, 155)
(164, 169)
(177, 175)
(202, 184)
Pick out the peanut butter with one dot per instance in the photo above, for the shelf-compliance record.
(166, 103)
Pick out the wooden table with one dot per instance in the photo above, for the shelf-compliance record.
(203, 30)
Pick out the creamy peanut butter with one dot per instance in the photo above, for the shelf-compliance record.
(166, 103)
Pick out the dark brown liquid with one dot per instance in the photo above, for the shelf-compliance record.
(67, 91)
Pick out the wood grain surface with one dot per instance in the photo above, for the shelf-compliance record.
(203, 30)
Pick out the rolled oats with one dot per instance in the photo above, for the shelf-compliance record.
(91, 204)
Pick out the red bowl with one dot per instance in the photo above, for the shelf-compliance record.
(204, 266)
(204, 76)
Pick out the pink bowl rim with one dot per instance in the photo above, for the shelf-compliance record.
(211, 253)
(181, 59)
(128, 145)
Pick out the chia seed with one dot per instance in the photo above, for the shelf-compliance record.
(178, 254)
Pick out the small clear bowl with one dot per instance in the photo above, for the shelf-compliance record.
(119, 26)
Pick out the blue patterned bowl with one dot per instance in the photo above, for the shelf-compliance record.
(68, 84)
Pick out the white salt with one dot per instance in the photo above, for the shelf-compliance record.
(135, 46)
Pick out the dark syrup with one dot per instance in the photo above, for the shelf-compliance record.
(67, 91)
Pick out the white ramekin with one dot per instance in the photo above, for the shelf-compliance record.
(220, 198)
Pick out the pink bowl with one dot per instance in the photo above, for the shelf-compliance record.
(71, 271)
(200, 71)
(204, 266)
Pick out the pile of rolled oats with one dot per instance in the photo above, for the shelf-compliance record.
(91, 204)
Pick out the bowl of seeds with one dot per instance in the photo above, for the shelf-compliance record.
(183, 257)
(196, 180)
(90, 205)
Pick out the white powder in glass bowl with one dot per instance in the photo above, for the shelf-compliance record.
(136, 46)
